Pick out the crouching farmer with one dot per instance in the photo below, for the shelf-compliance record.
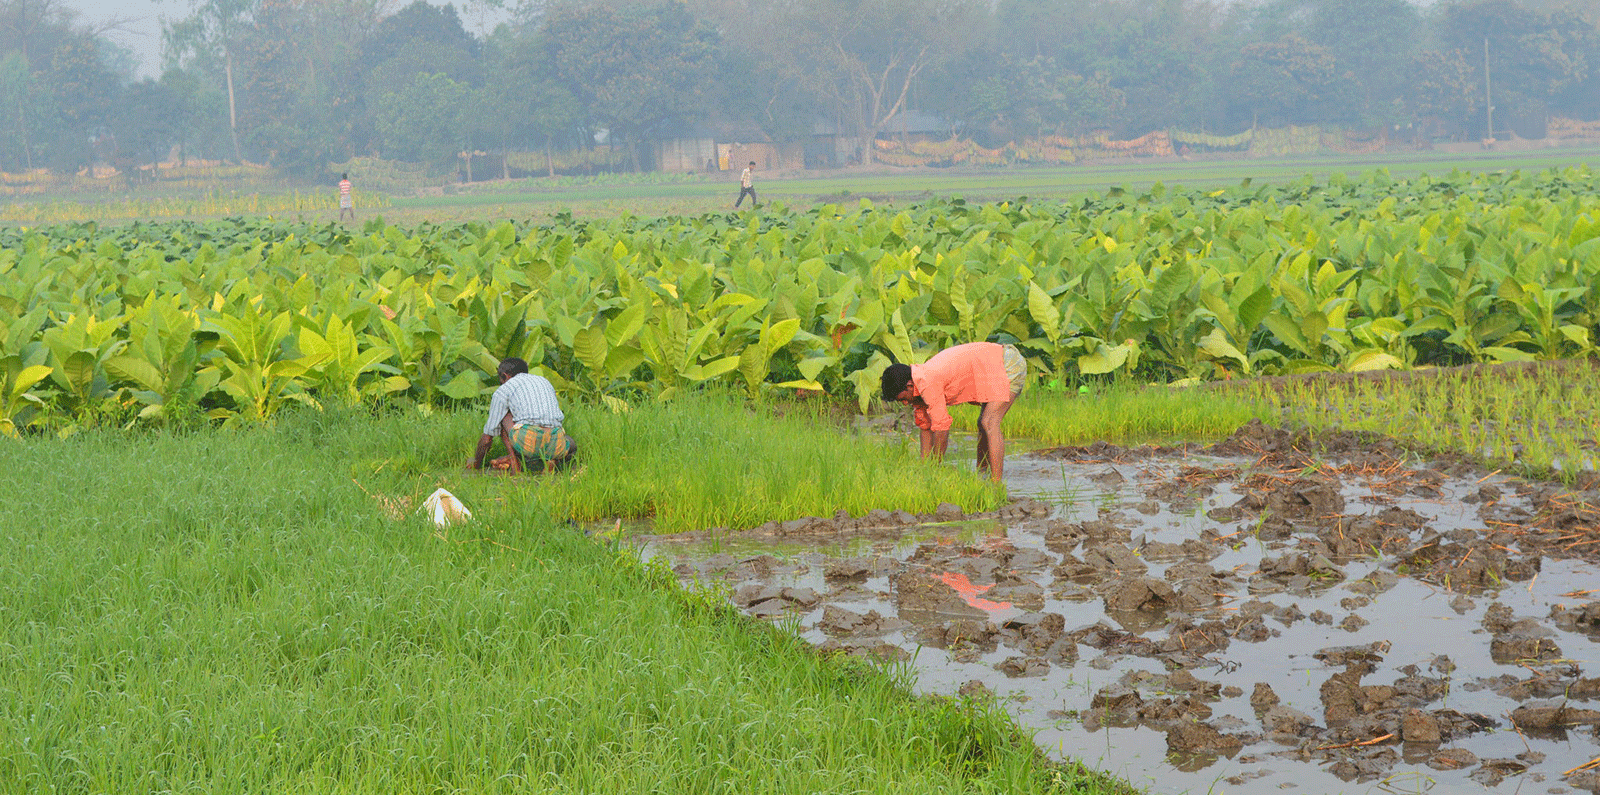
(984, 373)
(525, 416)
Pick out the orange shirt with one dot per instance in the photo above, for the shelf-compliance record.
(970, 373)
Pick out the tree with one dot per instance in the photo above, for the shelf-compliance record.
(1283, 81)
(211, 34)
(425, 120)
(420, 38)
(1373, 44)
(862, 57)
(751, 87)
(16, 96)
(147, 121)
(635, 67)
(553, 112)
(58, 85)
(1009, 97)
(199, 114)
(1441, 88)
(1532, 56)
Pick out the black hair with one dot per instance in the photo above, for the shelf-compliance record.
(752, 162)
(512, 366)
(345, 175)
(894, 381)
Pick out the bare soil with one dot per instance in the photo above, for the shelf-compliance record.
(1274, 612)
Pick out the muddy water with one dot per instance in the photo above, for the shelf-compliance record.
(1247, 618)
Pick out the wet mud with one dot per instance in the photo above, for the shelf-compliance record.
(1276, 612)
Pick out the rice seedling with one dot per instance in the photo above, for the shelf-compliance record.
(708, 460)
(1123, 414)
(1538, 421)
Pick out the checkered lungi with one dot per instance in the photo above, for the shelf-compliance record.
(541, 443)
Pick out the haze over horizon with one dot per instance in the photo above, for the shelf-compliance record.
(139, 24)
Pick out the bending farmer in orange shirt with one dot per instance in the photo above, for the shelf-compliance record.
(985, 373)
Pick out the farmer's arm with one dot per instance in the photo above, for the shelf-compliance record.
(500, 410)
(484, 441)
(505, 437)
(936, 436)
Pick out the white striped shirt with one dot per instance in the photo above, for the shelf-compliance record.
(529, 398)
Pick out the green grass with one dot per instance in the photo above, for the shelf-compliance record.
(227, 611)
(1122, 414)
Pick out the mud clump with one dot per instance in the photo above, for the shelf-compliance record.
(1018, 667)
(1452, 759)
(918, 592)
(1511, 648)
(849, 569)
(882, 652)
(1587, 780)
(1553, 717)
(1018, 591)
(839, 621)
(1263, 697)
(1201, 738)
(1366, 764)
(961, 634)
(771, 600)
(1149, 594)
(975, 689)
(1287, 725)
(1040, 635)
(1420, 727)
(1585, 618)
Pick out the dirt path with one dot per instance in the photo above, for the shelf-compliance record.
(1270, 613)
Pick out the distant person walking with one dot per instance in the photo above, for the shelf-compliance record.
(346, 201)
(747, 187)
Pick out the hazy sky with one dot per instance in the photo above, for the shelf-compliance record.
(141, 33)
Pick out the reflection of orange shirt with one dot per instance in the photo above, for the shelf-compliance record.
(970, 373)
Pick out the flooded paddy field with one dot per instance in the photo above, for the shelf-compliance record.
(1271, 613)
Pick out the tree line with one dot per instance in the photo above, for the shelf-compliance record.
(298, 84)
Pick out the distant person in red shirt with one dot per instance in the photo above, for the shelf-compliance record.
(984, 373)
(346, 201)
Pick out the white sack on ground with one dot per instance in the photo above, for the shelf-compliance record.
(445, 509)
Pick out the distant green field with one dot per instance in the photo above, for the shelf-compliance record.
(908, 185)
(696, 195)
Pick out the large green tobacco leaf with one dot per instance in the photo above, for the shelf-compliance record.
(15, 398)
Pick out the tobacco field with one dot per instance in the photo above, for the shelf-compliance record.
(233, 320)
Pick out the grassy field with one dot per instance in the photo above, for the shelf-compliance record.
(910, 185)
(233, 612)
(537, 198)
